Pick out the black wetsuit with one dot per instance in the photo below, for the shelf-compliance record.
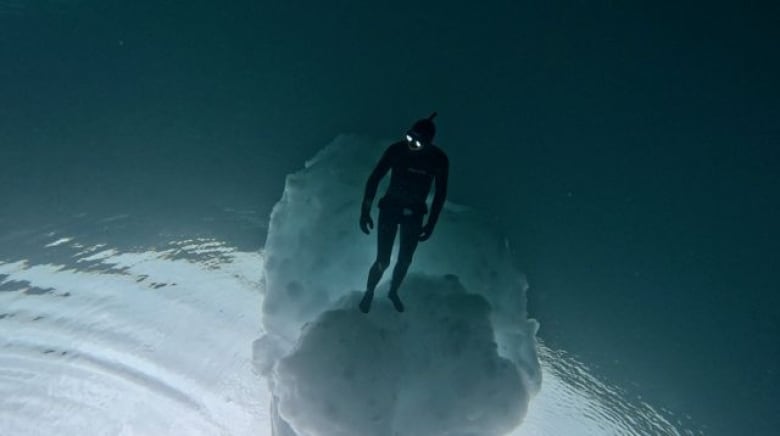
(413, 173)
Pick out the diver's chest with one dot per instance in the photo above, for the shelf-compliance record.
(414, 168)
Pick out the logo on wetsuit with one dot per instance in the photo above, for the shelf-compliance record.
(418, 171)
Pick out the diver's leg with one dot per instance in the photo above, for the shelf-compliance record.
(387, 227)
(410, 237)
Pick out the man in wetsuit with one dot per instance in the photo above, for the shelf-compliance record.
(415, 164)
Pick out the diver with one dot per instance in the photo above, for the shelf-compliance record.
(415, 164)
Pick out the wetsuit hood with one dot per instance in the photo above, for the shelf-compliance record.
(422, 132)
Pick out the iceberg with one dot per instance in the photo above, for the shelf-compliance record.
(462, 360)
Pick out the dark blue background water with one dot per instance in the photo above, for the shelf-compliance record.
(631, 152)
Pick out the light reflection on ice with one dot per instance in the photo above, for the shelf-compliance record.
(112, 351)
(58, 242)
(109, 351)
(574, 402)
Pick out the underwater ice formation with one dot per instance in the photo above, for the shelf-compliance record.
(461, 360)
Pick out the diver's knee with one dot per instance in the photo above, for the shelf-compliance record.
(380, 265)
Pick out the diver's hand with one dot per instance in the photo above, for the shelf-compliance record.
(426, 232)
(366, 223)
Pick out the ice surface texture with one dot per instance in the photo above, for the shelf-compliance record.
(460, 361)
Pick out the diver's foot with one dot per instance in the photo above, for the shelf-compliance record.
(365, 303)
(393, 296)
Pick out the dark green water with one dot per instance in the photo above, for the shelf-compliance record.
(630, 151)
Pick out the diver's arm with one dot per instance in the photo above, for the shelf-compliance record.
(381, 169)
(441, 192)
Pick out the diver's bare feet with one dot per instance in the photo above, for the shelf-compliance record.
(365, 303)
